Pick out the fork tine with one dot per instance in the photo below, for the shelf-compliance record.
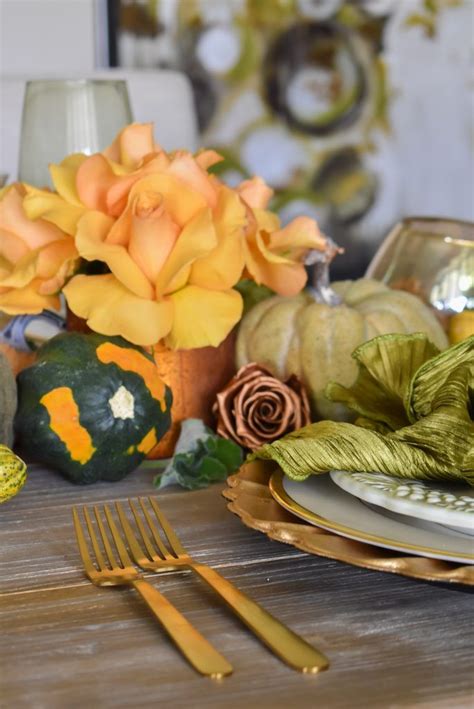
(105, 539)
(144, 534)
(82, 544)
(138, 553)
(122, 551)
(98, 554)
(168, 530)
(165, 553)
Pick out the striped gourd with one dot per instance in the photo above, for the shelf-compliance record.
(12, 473)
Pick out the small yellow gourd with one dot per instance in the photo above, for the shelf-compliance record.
(12, 473)
(461, 326)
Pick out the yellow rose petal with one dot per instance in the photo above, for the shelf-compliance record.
(152, 234)
(27, 300)
(5, 265)
(12, 248)
(23, 271)
(14, 220)
(119, 169)
(111, 309)
(188, 171)
(64, 177)
(207, 158)
(5, 190)
(302, 232)
(269, 255)
(180, 201)
(91, 243)
(56, 257)
(197, 239)
(285, 278)
(266, 221)
(132, 144)
(100, 188)
(52, 208)
(255, 192)
(223, 266)
(54, 284)
(94, 178)
(203, 317)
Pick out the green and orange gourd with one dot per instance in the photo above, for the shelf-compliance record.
(91, 406)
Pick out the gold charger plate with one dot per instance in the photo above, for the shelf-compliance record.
(250, 498)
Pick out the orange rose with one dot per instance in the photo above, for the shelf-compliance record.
(176, 241)
(103, 181)
(36, 257)
(275, 256)
(170, 233)
(174, 254)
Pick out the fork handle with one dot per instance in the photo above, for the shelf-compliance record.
(290, 647)
(200, 653)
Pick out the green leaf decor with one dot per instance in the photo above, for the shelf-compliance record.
(201, 458)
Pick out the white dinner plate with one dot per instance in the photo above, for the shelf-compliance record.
(321, 502)
(443, 503)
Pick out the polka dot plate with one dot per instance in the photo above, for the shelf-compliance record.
(446, 504)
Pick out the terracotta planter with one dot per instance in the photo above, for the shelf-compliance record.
(194, 376)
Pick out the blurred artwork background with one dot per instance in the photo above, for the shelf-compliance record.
(356, 112)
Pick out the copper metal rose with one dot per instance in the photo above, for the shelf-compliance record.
(256, 408)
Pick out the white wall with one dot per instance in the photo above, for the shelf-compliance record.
(47, 36)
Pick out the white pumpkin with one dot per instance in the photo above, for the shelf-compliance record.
(314, 340)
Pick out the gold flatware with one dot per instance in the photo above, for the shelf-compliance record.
(158, 557)
(200, 653)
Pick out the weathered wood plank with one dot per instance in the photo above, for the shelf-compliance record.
(65, 644)
(38, 547)
(392, 642)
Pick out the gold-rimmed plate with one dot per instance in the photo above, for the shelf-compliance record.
(319, 501)
(250, 498)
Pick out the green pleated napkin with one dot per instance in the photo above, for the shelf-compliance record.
(415, 407)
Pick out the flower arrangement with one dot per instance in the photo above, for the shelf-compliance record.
(147, 244)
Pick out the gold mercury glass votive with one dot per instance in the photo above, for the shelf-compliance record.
(434, 259)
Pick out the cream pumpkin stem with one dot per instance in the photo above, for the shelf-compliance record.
(321, 289)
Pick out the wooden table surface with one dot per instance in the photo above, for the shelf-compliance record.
(392, 641)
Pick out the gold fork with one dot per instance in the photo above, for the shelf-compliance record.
(289, 646)
(192, 644)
